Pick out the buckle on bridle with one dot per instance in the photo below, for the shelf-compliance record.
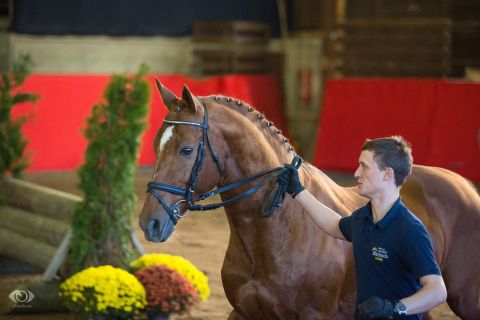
(177, 209)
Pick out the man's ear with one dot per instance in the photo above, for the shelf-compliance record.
(389, 174)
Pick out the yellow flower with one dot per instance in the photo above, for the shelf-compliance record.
(198, 279)
(97, 289)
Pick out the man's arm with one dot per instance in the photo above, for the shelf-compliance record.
(432, 293)
(327, 219)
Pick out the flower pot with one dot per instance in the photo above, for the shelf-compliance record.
(159, 316)
(76, 316)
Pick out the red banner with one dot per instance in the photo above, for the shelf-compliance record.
(440, 118)
(54, 134)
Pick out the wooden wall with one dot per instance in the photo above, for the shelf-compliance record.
(420, 38)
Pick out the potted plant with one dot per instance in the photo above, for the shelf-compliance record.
(103, 292)
(196, 277)
(167, 291)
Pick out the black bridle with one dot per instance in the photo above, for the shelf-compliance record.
(187, 193)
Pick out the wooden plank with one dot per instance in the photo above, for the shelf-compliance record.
(378, 9)
(230, 47)
(391, 69)
(386, 47)
(398, 61)
(423, 24)
(230, 31)
(32, 225)
(229, 61)
(26, 249)
(317, 14)
(32, 197)
(388, 73)
(406, 65)
(399, 36)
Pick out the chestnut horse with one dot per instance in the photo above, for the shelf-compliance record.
(283, 266)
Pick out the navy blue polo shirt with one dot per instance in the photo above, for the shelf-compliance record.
(390, 255)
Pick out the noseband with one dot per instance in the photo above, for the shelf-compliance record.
(187, 193)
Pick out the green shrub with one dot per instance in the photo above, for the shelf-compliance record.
(102, 227)
(12, 143)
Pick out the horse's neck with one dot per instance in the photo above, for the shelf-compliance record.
(276, 238)
(341, 200)
(286, 240)
(250, 146)
(253, 142)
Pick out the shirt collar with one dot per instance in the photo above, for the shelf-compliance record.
(389, 216)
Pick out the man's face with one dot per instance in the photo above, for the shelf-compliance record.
(369, 176)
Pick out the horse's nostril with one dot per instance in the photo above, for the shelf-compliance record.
(153, 227)
(141, 224)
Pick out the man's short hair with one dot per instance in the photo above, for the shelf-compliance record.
(394, 152)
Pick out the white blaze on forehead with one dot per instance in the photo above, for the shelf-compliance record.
(167, 134)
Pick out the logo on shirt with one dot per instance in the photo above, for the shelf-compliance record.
(379, 253)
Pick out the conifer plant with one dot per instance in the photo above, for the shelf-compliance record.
(13, 159)
(102, 228)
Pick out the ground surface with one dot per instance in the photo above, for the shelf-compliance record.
(201, 237)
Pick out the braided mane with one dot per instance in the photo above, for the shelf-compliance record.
(272, 133)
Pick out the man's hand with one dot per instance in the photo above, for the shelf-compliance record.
(376, 308)
(292, 180)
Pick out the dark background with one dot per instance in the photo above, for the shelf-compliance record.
(139, 17)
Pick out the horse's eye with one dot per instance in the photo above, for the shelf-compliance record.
(186, 151)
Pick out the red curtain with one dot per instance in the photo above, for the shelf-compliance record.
(440, 118)
(54, 134)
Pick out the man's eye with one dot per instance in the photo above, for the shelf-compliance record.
(186, 151)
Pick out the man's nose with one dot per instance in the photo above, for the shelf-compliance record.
(357, 173)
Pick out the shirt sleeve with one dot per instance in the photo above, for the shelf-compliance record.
(420, 255)
(345, 226)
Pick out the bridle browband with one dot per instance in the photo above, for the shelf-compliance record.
(187, 193)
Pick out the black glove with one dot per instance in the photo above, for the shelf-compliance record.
(292, 180)
(376, 308)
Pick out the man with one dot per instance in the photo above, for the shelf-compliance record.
(397, 275)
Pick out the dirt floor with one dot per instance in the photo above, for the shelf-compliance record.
(201, 237)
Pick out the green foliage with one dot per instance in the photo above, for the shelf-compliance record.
(12, 144)
(101, 225)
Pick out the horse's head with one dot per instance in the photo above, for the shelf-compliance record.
(186, 164)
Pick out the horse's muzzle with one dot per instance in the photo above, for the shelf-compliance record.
(158, 230)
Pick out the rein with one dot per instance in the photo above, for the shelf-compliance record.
(187, 193)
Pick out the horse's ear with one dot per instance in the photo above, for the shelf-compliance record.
(189, 99)
(168, 96)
